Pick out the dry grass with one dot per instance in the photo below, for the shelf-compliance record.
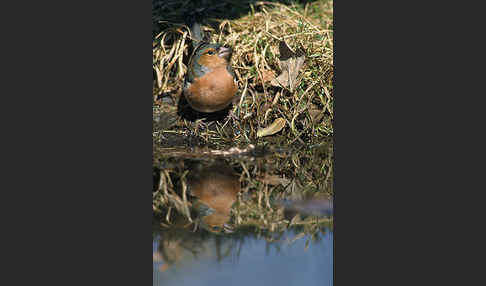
(255, 37)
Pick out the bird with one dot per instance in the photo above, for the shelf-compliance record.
(209, 84)
(215, 188)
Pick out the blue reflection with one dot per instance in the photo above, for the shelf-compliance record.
(258, 263)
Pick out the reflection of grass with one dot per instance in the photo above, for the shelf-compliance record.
(264, 182)
(175, 241)
(254, 34)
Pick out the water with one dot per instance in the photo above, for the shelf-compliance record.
(257, 263)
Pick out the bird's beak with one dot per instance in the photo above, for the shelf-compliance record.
(224, 52)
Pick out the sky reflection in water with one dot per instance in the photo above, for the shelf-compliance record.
(257, 264)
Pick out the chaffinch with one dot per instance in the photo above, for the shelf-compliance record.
(209, 84)
(216, 187)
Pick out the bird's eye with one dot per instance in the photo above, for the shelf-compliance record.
(211, 52)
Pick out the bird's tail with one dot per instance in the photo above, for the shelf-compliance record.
(193, 21)
(196, 32)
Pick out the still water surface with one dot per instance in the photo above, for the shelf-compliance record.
(258, 263)
(244, 221)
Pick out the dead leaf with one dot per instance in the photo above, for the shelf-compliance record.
(316, 113)
(290, 64)
(165, 119)
(273, 128)
(268, 75)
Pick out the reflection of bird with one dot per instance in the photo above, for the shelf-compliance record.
(215, 186)
(209, 84)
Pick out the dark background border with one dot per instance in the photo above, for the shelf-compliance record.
(79, 143)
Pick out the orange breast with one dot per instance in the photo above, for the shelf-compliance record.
(215, 186)
(218, 191)
(211, 92)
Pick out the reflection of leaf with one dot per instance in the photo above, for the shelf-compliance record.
(290, 63)
(273, 128)
(274, 180)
